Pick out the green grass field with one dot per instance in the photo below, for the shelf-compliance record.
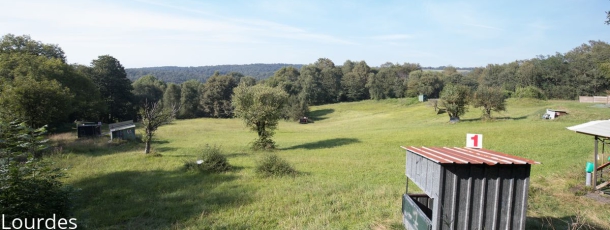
(350, 162)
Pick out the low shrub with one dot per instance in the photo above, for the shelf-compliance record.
(263, 144)
(211, 160)
(273, 165)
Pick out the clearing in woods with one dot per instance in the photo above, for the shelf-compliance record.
(350, 163)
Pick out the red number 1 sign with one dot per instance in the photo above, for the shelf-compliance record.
(474, 141)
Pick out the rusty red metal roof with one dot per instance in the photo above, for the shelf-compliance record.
(457, 155)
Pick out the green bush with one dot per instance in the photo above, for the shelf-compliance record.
(263, 144)
(29, 185)
(24, 196)
(529, 92)
(272, 165)
(211, 160)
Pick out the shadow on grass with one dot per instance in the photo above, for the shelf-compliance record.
(236, 154)
(184, 155)
(154, 199)
(165, 149)
(552, 223)
(320, 114)
(330, 143)
(99, 146)
(511, 118)
(495, 118)
(158, 142)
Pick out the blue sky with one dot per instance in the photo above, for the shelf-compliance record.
(144, 33)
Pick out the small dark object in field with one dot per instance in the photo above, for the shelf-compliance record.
(305, 120)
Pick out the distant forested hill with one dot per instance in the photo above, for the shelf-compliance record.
(202, 73)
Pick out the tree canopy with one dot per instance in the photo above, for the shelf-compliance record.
(454, 98)
(260, 107)
(116, 90)
(489, 99)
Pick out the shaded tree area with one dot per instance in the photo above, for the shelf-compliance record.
(148, 89)
(579, 72)
(40, 88)
(115, 89)
(216, 96)
(178, 75)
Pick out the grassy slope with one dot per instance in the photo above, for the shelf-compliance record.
(351, 164)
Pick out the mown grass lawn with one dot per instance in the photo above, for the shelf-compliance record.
(350, 163)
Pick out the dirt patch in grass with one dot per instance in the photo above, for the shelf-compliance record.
(600, 198)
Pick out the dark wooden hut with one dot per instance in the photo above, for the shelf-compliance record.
(89, 129)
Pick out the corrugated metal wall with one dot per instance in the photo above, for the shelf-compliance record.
(484, 197)
(469, 196)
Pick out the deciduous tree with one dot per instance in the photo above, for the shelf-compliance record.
(427, 83)
(171, 97)
(331, 80)
(38, 103)
(489, 99)
(154, 115)
(216, 98)
(109, 76)
(189, 99)
(312, 88)
(148, 88)
(11, 44)
(260, 107)
(354, 82)
(454, 98)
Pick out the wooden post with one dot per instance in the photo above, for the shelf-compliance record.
(595, 165)
(407, 187)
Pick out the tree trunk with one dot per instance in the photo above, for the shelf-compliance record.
(147, 148)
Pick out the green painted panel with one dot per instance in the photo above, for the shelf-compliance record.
(412, 217)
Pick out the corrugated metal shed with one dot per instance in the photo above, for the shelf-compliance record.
(469, 188)
(595, 128)
(122, 130)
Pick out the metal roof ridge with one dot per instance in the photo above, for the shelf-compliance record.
(446, 155)
(488, 154)
(462, 150)
(511, 158)
(462, 156)
(427, 155)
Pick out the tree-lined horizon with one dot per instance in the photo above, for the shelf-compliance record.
(103, 92)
